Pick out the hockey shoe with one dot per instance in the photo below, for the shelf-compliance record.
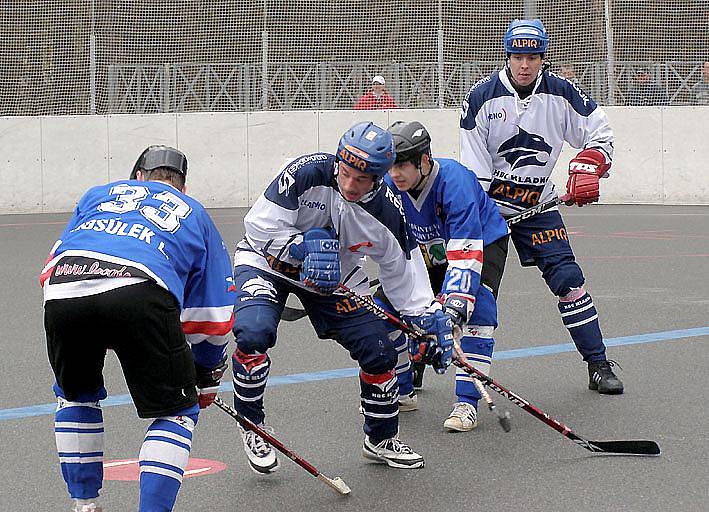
(464, 418)
(602, 379)
(85, 506)
(262, 456)
(393, 452)
(417, 369)
(408, 402)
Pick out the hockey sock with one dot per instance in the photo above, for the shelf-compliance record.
(478, 352)
(404, 374)
(250, 376)
(163, 459)
(78, 429)
(581, 319)
(380, 403)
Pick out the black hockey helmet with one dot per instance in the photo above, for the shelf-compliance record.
(411, 141)
(160, 156)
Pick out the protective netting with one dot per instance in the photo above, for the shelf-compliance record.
(141, 56)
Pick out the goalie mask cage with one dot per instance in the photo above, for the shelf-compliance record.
(146, 56)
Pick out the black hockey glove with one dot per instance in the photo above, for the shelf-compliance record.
(208, 382)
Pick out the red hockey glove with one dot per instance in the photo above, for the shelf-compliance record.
(208, 382)
(584, 171)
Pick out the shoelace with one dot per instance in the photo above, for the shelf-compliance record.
(396, 445)
(609, 364)
(462, 410)
(257, 444)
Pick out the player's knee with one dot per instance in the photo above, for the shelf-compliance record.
(382, 361)
(252, 338)
(563, 277)
(82, 397)
(191, 412)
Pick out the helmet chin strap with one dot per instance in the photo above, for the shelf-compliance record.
(418, 187)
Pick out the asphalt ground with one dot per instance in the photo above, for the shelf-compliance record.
(647, 268)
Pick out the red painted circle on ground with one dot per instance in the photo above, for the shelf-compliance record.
(128, 470)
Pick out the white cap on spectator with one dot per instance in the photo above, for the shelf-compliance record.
(379, 79)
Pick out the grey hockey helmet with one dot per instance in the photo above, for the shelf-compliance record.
(411, 141)
(160, 156)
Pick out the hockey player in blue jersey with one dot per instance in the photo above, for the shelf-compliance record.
(463, 239)
(307, 233)
(142, 270)
(512, 129)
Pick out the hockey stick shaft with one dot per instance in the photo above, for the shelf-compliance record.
(617, 447)
(534, 210)
(336, 483)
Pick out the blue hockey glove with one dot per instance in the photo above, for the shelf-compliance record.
(460, 309)
(434, 345)
(320, 254)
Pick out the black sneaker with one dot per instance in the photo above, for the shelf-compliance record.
(602, 379)
(418, 369)
(393, 452)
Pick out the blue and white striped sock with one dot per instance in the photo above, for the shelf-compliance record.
(163, 459)
(78, 429)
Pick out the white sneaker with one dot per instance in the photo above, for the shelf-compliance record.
(393, 452)
(262, 456)
(85, 506)
(464, 418)
(408, 402)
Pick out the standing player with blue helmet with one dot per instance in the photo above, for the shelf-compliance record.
(307, 233)
(512, 128)
(464, 240)
(142, 270)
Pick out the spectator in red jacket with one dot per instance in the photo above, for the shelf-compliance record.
(377, 98)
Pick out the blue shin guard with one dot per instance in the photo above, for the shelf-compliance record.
(78, 429)
(478, 352)
(163, 459)
(581, 319)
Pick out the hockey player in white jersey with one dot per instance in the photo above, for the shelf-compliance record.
(142, 270)
(512, 128)
(307, 233)
(464, 241)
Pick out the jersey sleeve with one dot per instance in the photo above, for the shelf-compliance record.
(473, 139)
(464, 249)
(590, 130)
(207, 315)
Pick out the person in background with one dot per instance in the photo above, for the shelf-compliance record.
(700, 90)
(377, 98)
(646, 92)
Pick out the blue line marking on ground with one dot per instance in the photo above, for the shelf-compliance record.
(299, 378)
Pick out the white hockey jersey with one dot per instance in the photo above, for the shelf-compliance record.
(305, 196)
(513, 144)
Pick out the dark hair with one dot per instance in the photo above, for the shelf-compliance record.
(175, 178)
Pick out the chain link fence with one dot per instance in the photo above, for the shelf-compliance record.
(147, 56)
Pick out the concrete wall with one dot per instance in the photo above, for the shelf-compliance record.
(46, 163)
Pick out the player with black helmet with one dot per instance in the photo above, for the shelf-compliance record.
(463, 239)
(140, 269)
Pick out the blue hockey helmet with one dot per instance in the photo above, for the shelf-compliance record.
(160, 156)
(526, 36)
(367, 148)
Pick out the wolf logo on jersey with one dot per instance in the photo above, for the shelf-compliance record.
(525, 149)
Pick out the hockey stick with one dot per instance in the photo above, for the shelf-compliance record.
(502, 416)
(336, 483)
(534, 210)
(292, 314)
(631, 447)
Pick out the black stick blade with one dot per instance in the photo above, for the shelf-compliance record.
(642, 448)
